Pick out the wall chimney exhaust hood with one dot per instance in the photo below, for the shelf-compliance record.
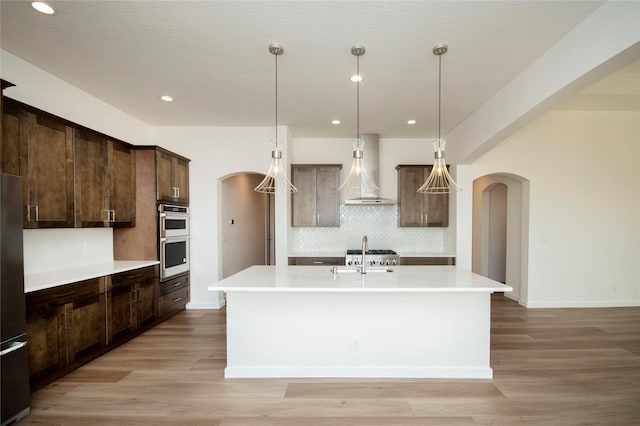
(371, 163)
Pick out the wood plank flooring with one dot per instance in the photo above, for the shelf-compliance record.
(551, 367)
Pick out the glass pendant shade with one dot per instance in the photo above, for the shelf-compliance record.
(439, 180)
(276, 179)
(358, 183)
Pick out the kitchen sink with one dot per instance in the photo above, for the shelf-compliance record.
(357, 269)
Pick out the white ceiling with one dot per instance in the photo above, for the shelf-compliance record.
(212, 57)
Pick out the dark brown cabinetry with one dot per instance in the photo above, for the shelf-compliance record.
(317, 202)
(317, 261)
(172, 177)
(65, 328)
(427, 260)
(105, 181)
(132, 303)
(72, 176)
(69, 325)
(174, 295)
(419, 210)
(40, 149)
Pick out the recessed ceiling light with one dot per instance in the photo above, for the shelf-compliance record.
(166, 98)
(356, 78)
(335, 121)
(411, 122)
(43, 7)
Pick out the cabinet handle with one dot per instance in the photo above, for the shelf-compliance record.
(114, 215)
(177, 299)
(14, 347)
(177, 192)
(318, 262)
(37, 215)
(35, 209)
(176, 285)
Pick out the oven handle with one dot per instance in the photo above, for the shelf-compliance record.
(163, 220)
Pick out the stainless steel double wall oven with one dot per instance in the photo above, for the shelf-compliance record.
(173, 226)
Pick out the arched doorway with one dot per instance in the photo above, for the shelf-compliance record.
(246, 224)
(501, 231)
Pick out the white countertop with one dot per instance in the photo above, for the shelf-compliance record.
(34, 282)
(321, 279)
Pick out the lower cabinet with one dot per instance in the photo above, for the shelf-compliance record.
(174, 295)
(69, 325)
(317, 261)
(65, 329)
(427, 261)
(132, 303)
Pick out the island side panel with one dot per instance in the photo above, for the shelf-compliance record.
(344, 334)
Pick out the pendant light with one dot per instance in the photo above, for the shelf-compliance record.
(358, 183)
(276, 178)
(439, 180)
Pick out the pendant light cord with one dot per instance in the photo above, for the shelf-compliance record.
(276, 100)
(439, 95)
(358, 98)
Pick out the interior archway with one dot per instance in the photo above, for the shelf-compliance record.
(246, 223)
(501, 231)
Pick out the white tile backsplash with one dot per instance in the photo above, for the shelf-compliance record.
(57, 249)
(378, 223)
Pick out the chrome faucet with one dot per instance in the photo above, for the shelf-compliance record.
(365, 247)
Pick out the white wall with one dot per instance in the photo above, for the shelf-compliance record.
(244, 223)
(217, 152)
(584, 214)
(47, 92)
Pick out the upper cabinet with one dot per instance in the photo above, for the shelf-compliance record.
(105, 181)
(317, 202)
(172, 177)
(71, 176)
(40, 149)
(415, 209)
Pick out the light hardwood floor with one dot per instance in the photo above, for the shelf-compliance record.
(551, 367)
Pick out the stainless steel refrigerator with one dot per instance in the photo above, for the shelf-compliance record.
(14, 362)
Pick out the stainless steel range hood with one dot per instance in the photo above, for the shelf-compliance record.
(371, 163)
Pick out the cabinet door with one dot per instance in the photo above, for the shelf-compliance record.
(50, 173)
(303, 202)
(92, 204)
(327, 196)
(85, 322)
(164, 175)
(120, 314)
(12, 119)
(410, 203)
(181, 179)
(146, 299)
(122, 184)
(46, 340)
(172, 176)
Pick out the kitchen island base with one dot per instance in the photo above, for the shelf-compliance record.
(377, 334)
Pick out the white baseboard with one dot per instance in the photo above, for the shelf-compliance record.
(359, 372)
(583, 304)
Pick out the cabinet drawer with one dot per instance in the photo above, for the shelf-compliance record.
(427, 261)
(317, 261)
(174, 301)
(131, 277)
(174, 284)
(57, 296)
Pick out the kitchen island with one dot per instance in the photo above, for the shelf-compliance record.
(313, 321)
